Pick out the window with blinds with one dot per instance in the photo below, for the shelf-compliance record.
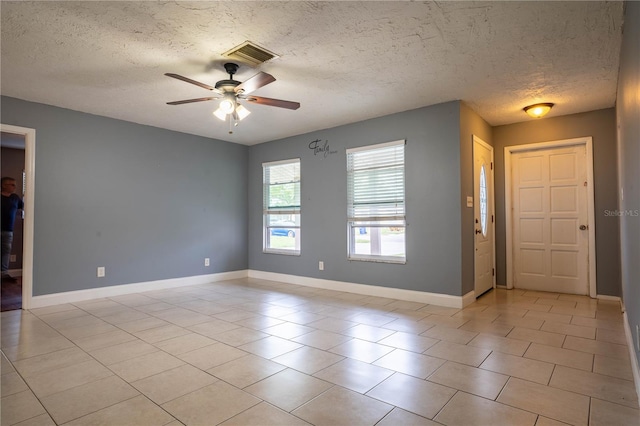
(281, 206)
(376, 202)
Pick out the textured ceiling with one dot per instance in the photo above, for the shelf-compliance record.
(343, 61)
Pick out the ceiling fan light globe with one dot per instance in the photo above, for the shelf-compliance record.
(220, 114)
(226, 106)
(242, 112)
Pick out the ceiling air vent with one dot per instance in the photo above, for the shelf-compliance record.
(250, 53)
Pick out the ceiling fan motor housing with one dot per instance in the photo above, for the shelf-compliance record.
(227, 85)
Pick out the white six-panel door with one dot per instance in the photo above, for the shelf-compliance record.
(550, 220)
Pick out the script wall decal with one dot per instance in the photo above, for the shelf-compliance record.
(321, 148)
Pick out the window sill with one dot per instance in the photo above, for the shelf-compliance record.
(378, 260)
(284, 252)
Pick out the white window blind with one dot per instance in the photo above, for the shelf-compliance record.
(281, 207)
(375, 187)
(281, 187)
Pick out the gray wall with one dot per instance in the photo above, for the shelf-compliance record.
(470, 124)
(601, 125)
(13, 165)
(150, 204)
(628, 115)
(433, 202)
(146, 203)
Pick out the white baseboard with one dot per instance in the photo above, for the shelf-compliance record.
(468, 298)
(369, 290)
(632, 355)
(118, 290)
(611, 299)
(364, 289)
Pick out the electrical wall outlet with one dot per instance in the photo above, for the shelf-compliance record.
(207, 262)
(321, 265)
(101, 271)
(12, 258)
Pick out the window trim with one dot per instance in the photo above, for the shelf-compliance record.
(352, 222)
(266, 212)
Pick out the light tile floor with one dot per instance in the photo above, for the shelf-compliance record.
(254, 352)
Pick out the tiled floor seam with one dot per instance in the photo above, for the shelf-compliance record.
(524, 409)
(50, 414)
(29, 387)
(114, 373)
(592, 365)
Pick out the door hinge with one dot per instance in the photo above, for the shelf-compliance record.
(492, 165)
(493, 272)
(491, 218)
(585, 184)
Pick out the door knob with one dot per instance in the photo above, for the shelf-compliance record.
(583, 227)
(478, 231)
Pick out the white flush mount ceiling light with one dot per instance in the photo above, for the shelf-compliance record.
(538, 110)
(231, 91)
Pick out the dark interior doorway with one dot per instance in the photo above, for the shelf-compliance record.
(13, 164)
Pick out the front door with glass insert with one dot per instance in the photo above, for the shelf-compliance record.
(483, 216)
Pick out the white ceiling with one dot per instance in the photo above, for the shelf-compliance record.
(343, 61)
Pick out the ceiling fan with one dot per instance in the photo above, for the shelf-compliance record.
(232, 91)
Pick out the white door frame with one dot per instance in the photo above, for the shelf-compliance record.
(587, 141)
(29, 199)
(492, 207)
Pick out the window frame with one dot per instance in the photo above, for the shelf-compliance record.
(384, 218)
(292, 210)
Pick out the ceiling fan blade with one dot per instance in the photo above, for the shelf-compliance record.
(255, 82)
(273, 102)
(188, 101)
(188, 80)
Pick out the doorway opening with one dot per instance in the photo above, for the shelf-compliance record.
(20, 139)
(12, 156)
